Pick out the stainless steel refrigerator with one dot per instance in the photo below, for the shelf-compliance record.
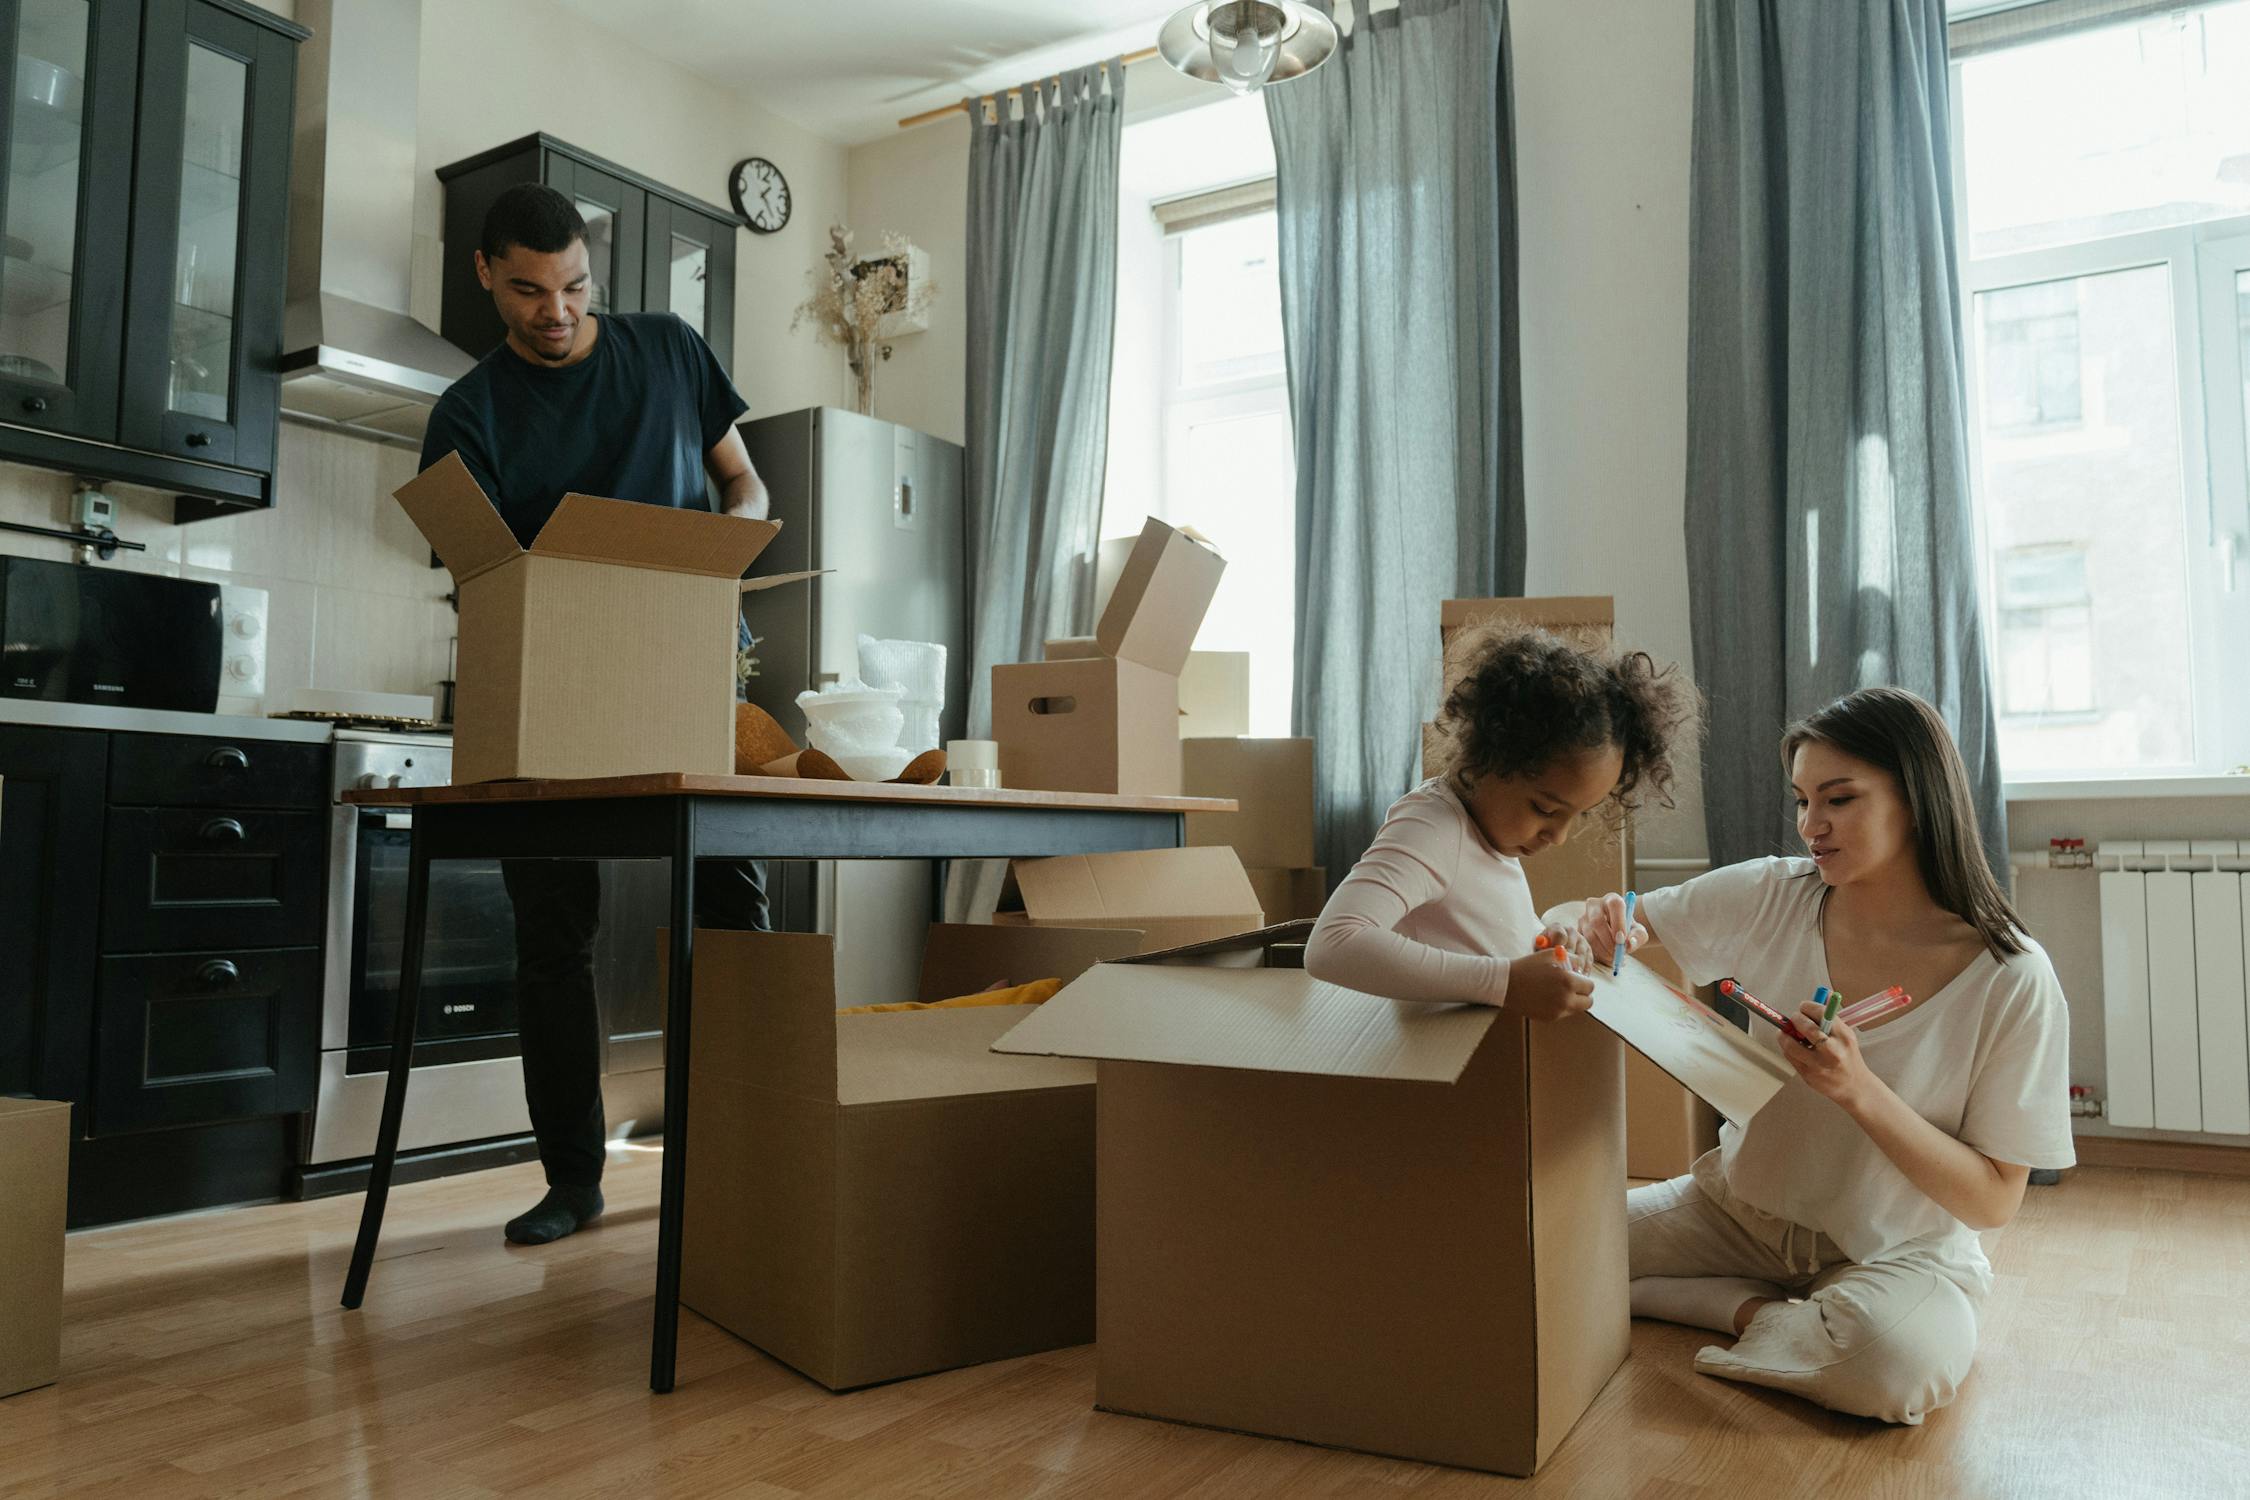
(881, 505)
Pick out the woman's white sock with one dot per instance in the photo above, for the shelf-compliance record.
(1698, 1301)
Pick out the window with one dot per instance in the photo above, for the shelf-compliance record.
(1199, 400)
(2046, 634)
(2104, 182)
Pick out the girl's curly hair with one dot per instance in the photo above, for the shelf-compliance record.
(1527, 698)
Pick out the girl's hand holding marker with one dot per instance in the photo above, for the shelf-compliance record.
(1546, 984)
(1605, 923)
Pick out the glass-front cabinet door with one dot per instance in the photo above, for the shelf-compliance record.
(690, 271)
(63, 206)
(615, 245)
(202, 359)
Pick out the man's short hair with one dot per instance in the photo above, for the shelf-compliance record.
(532, 215)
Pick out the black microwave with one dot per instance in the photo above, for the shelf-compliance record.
(78, 634)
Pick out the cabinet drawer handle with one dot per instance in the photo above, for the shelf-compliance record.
(227, 758)
(35, 404)
(223, 830)
(218, 972)
(199, 440)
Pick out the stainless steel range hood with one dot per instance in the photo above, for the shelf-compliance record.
(355, 358)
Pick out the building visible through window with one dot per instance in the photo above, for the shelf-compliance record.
(2046, 632)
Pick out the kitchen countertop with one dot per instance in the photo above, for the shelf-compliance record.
(161, 721)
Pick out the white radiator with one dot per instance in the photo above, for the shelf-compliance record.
(2173, 991)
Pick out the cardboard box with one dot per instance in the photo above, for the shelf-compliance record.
(34, 1181)
(1169, 896)
(873, 1197)
(604, 649)
(1215, 695)
(1110, 722)
(1271, 782)
(1289, 895)
(1584, 620)
(1346, 1220)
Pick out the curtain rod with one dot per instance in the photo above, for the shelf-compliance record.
(927, 115)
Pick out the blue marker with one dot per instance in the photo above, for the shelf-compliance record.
(1625, 938)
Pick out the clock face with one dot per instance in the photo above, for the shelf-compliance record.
(760, 194)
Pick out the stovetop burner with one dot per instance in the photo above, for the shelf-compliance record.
(382, 722)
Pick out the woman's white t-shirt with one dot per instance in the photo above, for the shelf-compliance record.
(1986, 1060)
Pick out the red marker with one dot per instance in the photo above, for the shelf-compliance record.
(1734, 991)
(1876, 1006)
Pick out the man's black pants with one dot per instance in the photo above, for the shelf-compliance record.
(558, 911)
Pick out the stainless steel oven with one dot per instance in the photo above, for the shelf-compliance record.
(467, 1083)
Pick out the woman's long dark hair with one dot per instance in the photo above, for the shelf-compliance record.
(1892, 729)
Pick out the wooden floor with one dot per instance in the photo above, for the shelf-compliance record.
(206, 1356)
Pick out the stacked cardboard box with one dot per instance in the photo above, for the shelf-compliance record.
(1102, 715)
(34, 1172)
(604, 649)
(1667, 1127)
(877, 1196)
(1271, 781)
(1346, 1220)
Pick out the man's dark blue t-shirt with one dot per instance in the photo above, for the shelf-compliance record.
(632, 420)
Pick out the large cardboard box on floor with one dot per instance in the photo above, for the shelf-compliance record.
(871, 1197)
(34, 1179)
(1169, 896)
(1109, 722)
(1271, 783)
(1346, 1220)
(607, 647)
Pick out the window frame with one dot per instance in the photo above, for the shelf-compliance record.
(2214, 457)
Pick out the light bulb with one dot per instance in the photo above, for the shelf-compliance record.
(1245, 42)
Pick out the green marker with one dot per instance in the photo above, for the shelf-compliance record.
(1828, 1010)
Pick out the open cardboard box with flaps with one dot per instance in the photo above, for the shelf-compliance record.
(1342, 1219)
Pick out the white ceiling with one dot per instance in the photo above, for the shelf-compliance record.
(851, 69)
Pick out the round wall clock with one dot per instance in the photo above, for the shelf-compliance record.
(760, 194)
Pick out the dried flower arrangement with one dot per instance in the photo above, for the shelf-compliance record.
(851, 300)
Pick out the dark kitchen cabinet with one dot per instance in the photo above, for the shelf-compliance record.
(189, 1038)
(652, 248)
(206, 877)
(50, 903)
(143, 217)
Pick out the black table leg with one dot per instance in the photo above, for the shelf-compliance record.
(664, 1342)
(402, 1056)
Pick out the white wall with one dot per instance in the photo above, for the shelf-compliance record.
(916, 183)
(1603, 90)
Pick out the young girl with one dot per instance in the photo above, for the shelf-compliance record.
(1860, 1187)
(1536, 734)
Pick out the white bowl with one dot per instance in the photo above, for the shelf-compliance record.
(877, 767)
(852, 721)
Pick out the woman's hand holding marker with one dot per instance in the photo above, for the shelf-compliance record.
(1604, 923)
(1832, 1066)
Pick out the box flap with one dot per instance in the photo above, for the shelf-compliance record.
(1110, 890)
(665, 537)
(1160, 598)
(960, 958)
(941, 1054)
(752, 585)
(1070, 648)
(765, 1009)
(1255, 942)
(457, 518)
(1265, 1020)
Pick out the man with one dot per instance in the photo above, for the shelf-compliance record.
(632, 405)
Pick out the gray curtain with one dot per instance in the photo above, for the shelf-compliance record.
(1395, 190)
(1829, 539)
(1042, 300)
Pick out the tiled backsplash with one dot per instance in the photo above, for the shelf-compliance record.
(353, 602)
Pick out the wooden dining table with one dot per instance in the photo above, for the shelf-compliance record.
(684, 817)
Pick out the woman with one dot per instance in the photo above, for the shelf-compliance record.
(1860, 1188)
